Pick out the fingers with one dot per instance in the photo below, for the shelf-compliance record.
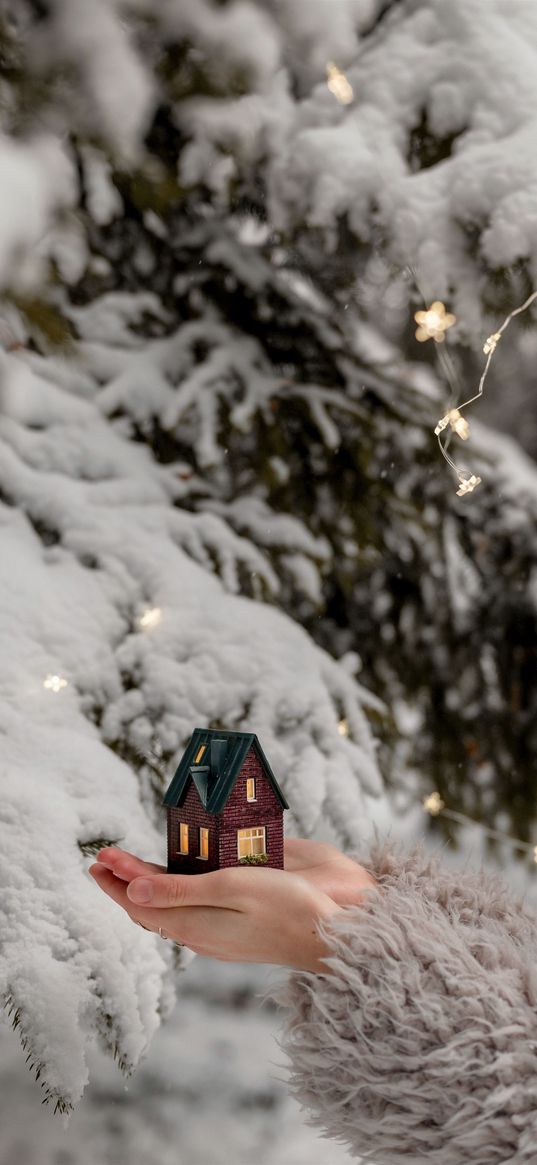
(295, 854)
(125, 865)
(190, 930)
(231, 889)
(277, 925)
(116, 889)
(300, 852)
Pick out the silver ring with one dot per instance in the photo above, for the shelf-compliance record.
(161, 933)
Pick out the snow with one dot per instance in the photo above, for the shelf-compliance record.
(464, 584)
(514, 472)
(37, 179)
(117, 93)
(95, 532)
(466, 67)
(90, 540)
(211, 1090)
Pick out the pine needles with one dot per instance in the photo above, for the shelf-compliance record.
(35, 1065)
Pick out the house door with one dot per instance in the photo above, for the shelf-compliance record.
(251, 841)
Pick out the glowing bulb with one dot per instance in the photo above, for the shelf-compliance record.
(433, 804)
(491, 344)
(467, 485)
(442, 424)
(338, 84)
(150, 618)
(458, 423)
(432, 320)
(343, 727)
(433, 323)
(54, 683)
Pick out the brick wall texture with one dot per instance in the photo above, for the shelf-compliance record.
(238, 814)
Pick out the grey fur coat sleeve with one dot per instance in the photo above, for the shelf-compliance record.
(419, 1045)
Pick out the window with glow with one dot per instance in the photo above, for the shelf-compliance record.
(199, 754)
(250, 789)
(204, 843)
(183, 838)
(251, 841)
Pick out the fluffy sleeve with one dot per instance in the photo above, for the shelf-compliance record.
(419, 1045)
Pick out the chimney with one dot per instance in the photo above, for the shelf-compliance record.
(217, 757)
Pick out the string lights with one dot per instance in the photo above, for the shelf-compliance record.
(433, 324)
(338, 84)
(54, 683)
(149, 618)
(434, 805)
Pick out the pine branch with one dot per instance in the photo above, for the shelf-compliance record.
(35, 1065)
(92, 847)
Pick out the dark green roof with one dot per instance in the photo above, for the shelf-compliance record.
(220, 766)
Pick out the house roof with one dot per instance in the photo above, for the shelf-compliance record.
(223, 758)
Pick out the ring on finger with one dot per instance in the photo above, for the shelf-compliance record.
(160, 932)
(166, 936)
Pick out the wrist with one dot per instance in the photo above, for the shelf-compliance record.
(318, 949)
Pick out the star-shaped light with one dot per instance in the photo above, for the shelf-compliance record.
(54, 683)
(151, 617)
(433, 804)
(338, 84)
(467, 485)
(433, 323)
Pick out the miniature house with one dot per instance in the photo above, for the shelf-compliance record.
(223, 804)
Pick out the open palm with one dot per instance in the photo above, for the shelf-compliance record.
(320, 864)
(326, 868)
(240, 915)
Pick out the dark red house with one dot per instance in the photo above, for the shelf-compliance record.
(223, 804)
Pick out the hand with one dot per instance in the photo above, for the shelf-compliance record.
(328, 869)
(241, 914)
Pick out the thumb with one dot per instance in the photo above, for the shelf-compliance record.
(218, 888)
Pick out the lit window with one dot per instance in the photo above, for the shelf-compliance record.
(251, 841)
(250, 789)
(183, 838)
(200, 753)
(204, 843)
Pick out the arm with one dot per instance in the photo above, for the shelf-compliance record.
(412, 998)
(420, 1045)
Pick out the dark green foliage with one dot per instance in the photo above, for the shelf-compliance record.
(35, 1065)
(92, 847)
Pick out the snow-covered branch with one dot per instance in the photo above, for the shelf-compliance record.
(91, 541)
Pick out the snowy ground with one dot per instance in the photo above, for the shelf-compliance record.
(212, 1090)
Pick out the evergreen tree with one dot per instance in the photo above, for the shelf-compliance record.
(203, 380)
